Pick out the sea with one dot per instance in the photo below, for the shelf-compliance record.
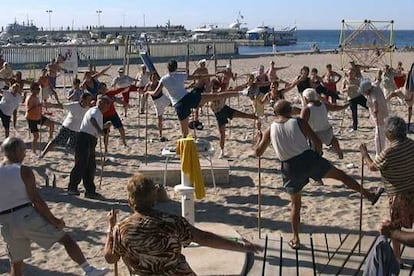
(325, 40)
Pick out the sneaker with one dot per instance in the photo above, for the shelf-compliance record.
(94, 195)
(244, 92)
(73, 192)
(351, 130)
(163, 139)
(96, 271)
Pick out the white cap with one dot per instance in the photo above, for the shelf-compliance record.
(202, 61)
(311, 94)
(228, 66)
(365, 85)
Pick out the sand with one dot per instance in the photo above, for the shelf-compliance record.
(330, 208)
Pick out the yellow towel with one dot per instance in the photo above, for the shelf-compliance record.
(190, 164)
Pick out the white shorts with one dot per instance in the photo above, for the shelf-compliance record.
(160, 104)
(24, 226)
(325, 136)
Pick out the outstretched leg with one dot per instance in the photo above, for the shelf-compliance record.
(337, 147)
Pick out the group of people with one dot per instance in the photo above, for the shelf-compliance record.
(296, 135)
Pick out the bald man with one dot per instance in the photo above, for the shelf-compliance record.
(299, 163)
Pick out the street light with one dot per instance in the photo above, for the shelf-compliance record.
(50, 19)
(99, 17)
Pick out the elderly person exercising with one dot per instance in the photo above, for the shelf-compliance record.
(396, 165)
(150, 241)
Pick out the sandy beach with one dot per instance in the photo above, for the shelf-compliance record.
(330, 208)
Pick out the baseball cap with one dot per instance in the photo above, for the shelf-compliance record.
(365, 85)
(121, 69)
(202, 61)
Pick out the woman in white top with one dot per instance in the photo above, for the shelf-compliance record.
(315, 113)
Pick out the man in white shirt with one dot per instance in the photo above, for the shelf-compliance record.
(9, 102)
(70, 127)
(182, 100)
(85, 164)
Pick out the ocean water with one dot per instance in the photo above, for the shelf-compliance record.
(325, 40)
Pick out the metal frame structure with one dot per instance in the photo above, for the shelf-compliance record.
(365, 43)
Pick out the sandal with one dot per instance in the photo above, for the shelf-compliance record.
(295, 245)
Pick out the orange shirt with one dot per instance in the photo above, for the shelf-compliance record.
(33, 108)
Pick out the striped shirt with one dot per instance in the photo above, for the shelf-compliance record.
(151, 244)
(396, 164)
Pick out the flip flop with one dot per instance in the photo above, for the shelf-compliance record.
(294, 245)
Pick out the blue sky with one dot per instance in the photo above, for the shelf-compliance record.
(307, 14)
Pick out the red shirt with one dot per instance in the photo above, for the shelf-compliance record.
(112, 111)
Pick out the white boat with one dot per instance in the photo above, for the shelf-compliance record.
(282, 36)
(210, 30)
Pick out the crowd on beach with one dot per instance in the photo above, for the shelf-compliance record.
(297, 133)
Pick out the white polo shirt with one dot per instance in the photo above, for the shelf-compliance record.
(175, 84)
(74, 118)
(86, 125)
(9, 102)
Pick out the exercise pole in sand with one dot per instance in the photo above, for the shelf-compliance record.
(360, 205)
(146, 128)
(192, 181)
(259, 198)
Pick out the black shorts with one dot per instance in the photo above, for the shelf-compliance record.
(115, 120)
(66, 137)
(5, 120)
(223, 115)
(198, 90)
(297, 170)
(183, 107)
(33, 124)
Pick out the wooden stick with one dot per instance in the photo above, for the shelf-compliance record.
(103, 157)
(360, 204)
(139, 115)
(281, 256)
(264, 257)
(146, 128)
(116, 263)
(259, 199)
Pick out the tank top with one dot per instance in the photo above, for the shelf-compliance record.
(318, 118)
(287, 139)
(13, 190)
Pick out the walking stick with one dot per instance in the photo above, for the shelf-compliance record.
(342, 121)
(360, 204)
(103, 157)
(146, 128)
(139, 115)
(116, 263)
(259, 199)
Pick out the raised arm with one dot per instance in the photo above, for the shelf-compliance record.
(100, 73)
(155, 92)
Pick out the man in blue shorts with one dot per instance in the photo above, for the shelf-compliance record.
(180, 98)
(289, 138)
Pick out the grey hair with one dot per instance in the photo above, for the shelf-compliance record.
(11, 145)
(397, 127)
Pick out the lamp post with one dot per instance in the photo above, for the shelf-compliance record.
(99, 17)
(50, 19)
